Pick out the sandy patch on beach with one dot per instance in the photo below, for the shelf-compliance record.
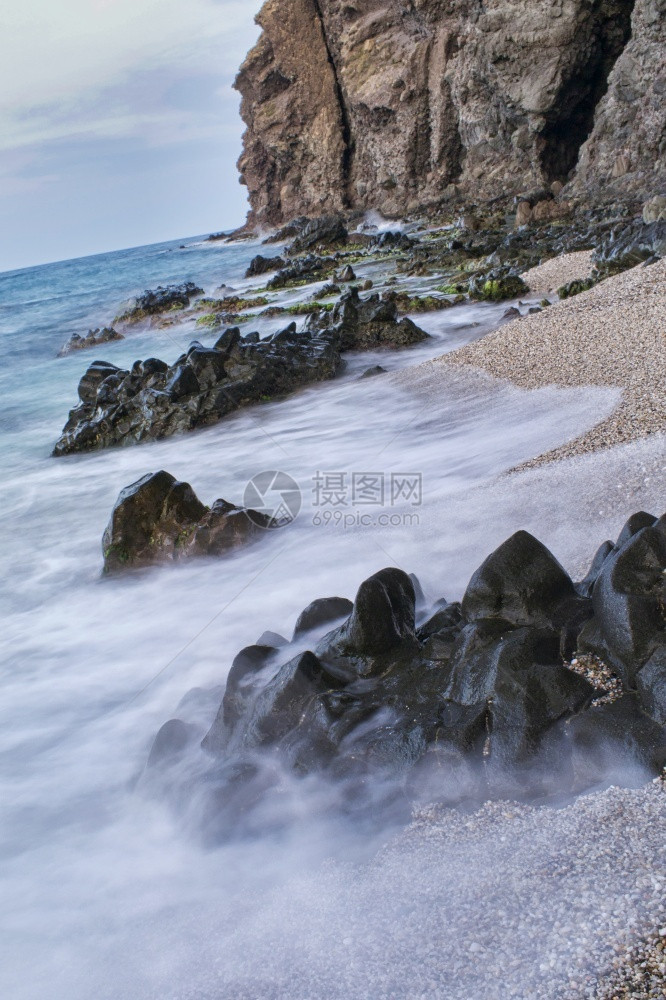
(548, 277)
(614, 335)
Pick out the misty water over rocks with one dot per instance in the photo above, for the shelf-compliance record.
(107, 892)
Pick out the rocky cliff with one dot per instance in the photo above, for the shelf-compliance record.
(403, 104)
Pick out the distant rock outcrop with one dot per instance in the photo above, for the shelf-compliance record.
(400, 104)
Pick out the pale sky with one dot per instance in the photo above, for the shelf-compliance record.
(118, 123)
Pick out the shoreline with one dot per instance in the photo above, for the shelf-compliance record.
(619, 343)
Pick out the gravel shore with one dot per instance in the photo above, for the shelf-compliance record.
(546, 278)
(507, 901)
(612, 335)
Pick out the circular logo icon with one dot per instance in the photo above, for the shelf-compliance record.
(272, 499)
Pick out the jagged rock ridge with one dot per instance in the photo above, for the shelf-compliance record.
(401, 104)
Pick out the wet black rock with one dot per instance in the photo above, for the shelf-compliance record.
(264, 265)
(172, 740)
(92, 339)
(323, 611)
(629, 602)
(392, 241)
(159, 300)
(301, 272)
(475, 700)
(520, 582)
(616, 742)
(366, 323)
(155, 400)
(326, 231)
(158, 520)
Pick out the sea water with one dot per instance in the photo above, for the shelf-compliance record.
(105, 891)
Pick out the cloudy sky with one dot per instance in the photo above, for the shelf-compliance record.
(118, 123)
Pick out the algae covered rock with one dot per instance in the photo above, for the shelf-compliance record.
(497, 286)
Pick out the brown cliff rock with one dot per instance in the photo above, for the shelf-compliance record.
(403, 104)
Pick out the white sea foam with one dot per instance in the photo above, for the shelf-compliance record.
(105, 893)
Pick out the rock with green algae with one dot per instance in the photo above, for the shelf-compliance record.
(497, 286)
(576, 287)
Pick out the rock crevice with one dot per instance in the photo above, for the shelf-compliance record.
(397, 106)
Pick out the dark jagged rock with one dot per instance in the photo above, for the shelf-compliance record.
(326, 231)
(629, 245)
(92, 339)
(159, 300)
(302, 271)
(264, 265)
(629, 602)
(475, 702)
(346, 274)
(158, 520)
(367, 323)
(576, 287)
(238, 693)
(156, 400)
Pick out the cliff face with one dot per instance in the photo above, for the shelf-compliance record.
(401, 104)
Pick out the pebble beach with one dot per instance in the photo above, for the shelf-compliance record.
(613, 335)
(607, 938)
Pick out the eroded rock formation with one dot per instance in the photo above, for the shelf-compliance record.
(390, 699)
(401, 104)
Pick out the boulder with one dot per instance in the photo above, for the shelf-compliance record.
(629, 598)
(476, 702)
(520, 582)
(616, 742)
(264, 265)
(280, 705)
(374, 370)
(158, 519)
(171, 741)
(322, 612)
(346, 274)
